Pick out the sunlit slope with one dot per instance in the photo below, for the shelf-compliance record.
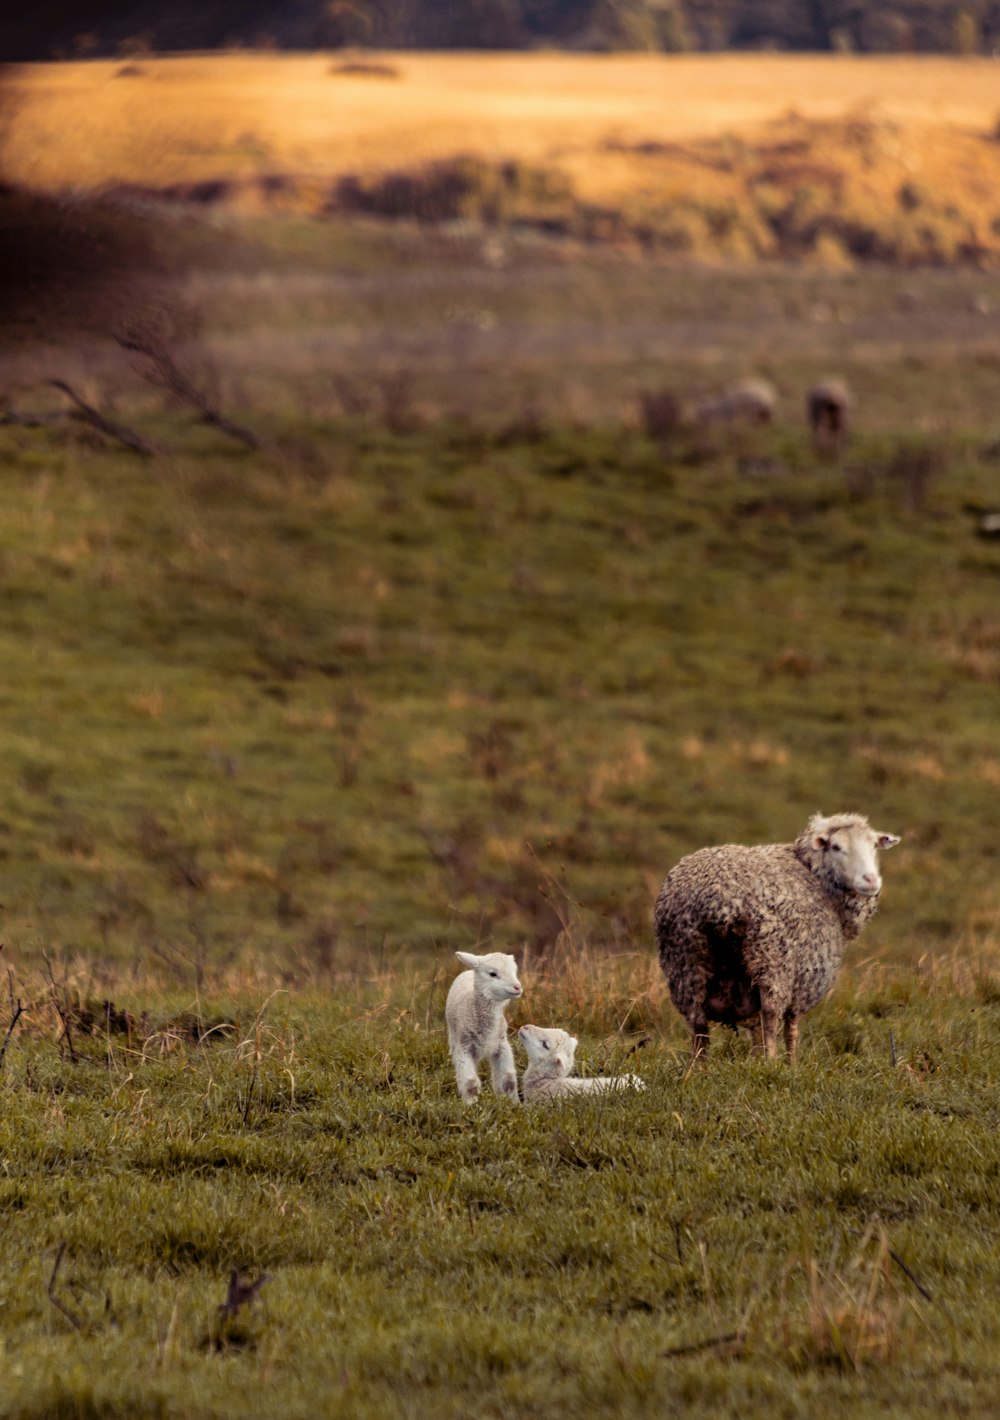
(83, 124)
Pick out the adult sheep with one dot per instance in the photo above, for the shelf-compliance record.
(754, 936)
(828, 409)
(749, 401)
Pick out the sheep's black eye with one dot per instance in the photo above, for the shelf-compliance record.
(836, 848)
(545, 1045)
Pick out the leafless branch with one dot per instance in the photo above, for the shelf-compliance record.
(17, 1010)
(89, 415)
(163, 370)
(62, 1010)
(240, 1293)
(731, 1338)
(37, 420)
(907, 1273)
(82, 412)
(71, 1316)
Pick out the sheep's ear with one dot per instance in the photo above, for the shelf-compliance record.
(572, 1043)
(886, 840)
(468, 959)
(821, 841)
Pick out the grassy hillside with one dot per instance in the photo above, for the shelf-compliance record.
(282, 729)
(382, 691)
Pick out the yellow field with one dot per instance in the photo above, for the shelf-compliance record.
(87, 124)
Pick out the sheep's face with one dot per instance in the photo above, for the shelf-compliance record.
(496, 974)
(846, 850)
(553, 1048)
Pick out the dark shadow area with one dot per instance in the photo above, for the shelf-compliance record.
(76, 267)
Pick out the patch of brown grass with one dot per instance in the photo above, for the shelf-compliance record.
(851, 1313)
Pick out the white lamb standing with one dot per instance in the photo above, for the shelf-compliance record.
(477, 1028)
(551, 1056)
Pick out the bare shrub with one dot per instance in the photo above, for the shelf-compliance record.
(458, 188)
(526, 426)
(912, 469)
(155, 342)
(662, 413)
(364, 69)
(399, 412)
(492, 751)
(861, 482)
(354, 398)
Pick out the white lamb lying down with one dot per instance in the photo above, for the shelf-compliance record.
(477, 1030)
(551, 1055)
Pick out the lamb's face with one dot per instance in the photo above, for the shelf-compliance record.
(850, 854)
(551, 1047)
(496, 974)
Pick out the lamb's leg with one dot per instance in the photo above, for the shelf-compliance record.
(791, 1036)
(466, 1074)
(502, 1071)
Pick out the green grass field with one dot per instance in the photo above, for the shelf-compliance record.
(463, 657)
(738, 1238)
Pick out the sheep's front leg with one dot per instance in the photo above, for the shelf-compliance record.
(503, 1072)
(466, 1073)
(767, 1031)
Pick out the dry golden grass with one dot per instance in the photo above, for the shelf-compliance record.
(87, 124)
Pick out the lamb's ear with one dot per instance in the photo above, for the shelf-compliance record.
(572, 1043)
(468, 959)
(886, 840)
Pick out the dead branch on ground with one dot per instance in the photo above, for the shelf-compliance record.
(17, 1010)
(82, 413)
(75, 1321)
(89, 415)
(240, 1293)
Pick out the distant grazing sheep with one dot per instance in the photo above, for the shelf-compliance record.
(828, 409)
(754, 936)
(551, 1055)
(477, 1029)
(750, 401)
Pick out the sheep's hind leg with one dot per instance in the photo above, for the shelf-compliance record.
(503, 1073)
(791, 1036)
(699, 1039)
(766, 1032)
